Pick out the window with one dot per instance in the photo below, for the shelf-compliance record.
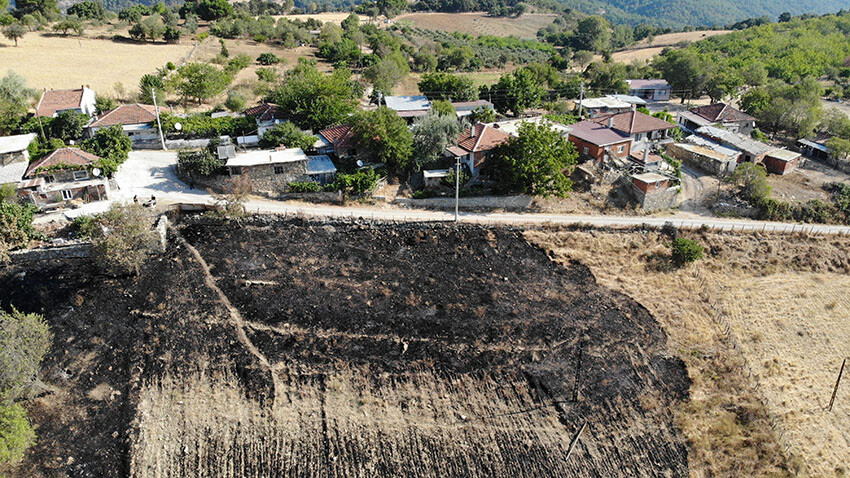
(621, 148)
(585, 150)
(80, 175)
(67, 194)
(49, 178)
(278, 169)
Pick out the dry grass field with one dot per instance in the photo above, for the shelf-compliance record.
(525, 26)
(756, 408)
(332, 17)
(53, 62)
(674, 38)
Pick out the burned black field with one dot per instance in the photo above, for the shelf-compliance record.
(279, 347)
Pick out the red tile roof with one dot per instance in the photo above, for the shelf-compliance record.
(127, 114)
(339, 136)
(643, 123)
(265, 112)
(721, 112)
(598, 134)
(481, 137)
(55, 100)
(62, 157)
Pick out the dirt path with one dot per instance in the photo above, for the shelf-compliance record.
(235, 315)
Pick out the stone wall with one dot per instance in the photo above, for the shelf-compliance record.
(657, 200)
(264, 179)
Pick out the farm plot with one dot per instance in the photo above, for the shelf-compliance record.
(476, 23)
(412, 351)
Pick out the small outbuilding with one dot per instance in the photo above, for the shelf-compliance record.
(653, 191)
(782, 161)
(270, 171)
(651, 89)
(321, 169)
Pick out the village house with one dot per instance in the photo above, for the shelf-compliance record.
(642, 128)
(751, 150)
(136, 120)
(652, 90)
(66, 175)
(782, 161)
(266, 115)
(718, 115)
(14, 157)
(270, 170)
(53, 102)
(705, 154)
(336, 140)
(408, 107)
(474, 146)
(600, 141)
(630, 99)
(653, 191)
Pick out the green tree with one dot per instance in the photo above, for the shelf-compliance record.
(387, 72)
(235, 101)
(686, 250)
(111, 145)
(47, 8)
(16, 434)
(537, 161)
(382, 136)
(314, 100)
(68, 125)
(288, 135)
(24, 341)
(482, 114)
(391, 8)
(268, 58)
(102, 104)
(14, 32)
(214, 9)
(517, 91)
(88, 10)
(592, 33)
(583, 58)
(148, 84)
(69, 23)
(351, 23)
(269, 75)
(445, 86)
(444, 108)
(15, 99)
(685, 70)
(431, 134)
(16, 229)
(200, 81)
(198, 163)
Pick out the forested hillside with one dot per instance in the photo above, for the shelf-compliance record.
(678, 13)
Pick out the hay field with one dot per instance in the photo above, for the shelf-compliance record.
(674, 38)
(327, 17)
(48, 61)
(785, 298)
(794, 332)
(525, 26)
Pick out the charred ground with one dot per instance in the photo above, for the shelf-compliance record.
(287, 348)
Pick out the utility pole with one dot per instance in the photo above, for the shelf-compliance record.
(457, 189)
(580, 99)
(158, 124)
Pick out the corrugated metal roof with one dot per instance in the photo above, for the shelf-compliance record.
(320, 164)
(407, 103)
(738, 141)
(652, 84)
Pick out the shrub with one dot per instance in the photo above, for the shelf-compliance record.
(198, 163)
(303, 187)
(355, 184)
(267, 74)
(16, 434)
(238, 63)
(24, 341)
(268, 59)
(123, 245)
(84, 226)
(287, 135)
(260, 38)
(449, 179)
(16, 229)
(235, 101)
(686, 250)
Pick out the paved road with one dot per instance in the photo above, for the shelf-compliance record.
(149, 173)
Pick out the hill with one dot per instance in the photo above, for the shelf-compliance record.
(697, 12)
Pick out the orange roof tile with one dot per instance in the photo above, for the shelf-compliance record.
(481, 137)
(127, 114)
(55, 100)
(64, 157)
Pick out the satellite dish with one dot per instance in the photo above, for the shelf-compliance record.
(178, 126)
(71, 142)
(95, 172)
(359, 163)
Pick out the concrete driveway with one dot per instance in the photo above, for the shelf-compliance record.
(151, 173)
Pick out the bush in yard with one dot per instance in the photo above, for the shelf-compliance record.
(355, 184)
(198, 163)
(16, 229)
(538, 161)
(287, 135)
(450, 179)
(126, 239)
(235, 101)
(24, 341)
(303, 187)
(16, 434)
(268, 59)
(84, 226)
(686, 250)
(112, 145)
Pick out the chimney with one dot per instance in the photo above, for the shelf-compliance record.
(611, 121)
(634, 115)
(645, 155)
